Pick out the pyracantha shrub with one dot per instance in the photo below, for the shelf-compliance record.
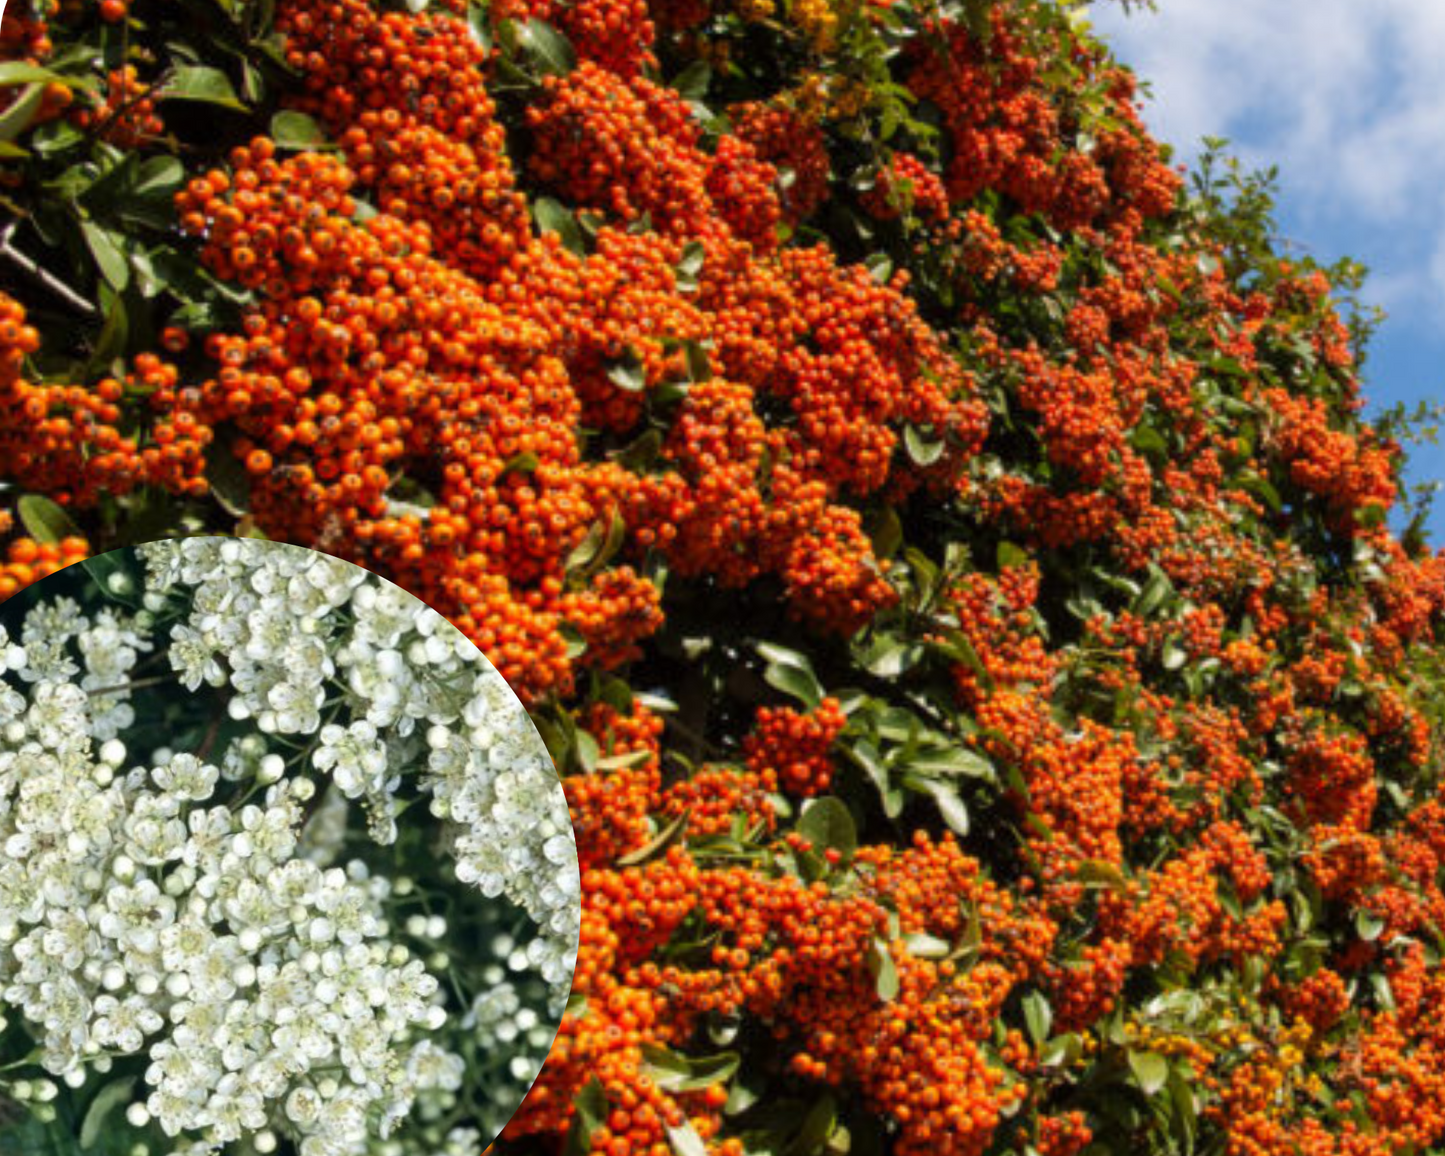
(995, 672)
(207, 903)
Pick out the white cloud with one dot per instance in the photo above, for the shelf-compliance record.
(1345, 97)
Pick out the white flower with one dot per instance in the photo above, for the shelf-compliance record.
(354, 756)
(124, 1024)
(12, 655)
(194, 658)
(186, 777)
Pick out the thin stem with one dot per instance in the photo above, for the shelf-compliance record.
(134, 684)
(209, 740)
(699, 741)
(35, 272)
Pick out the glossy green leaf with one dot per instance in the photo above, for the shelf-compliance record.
(659, 843)
(591, 1109)
(202, 84)
(1150, 1070)
(883, 969)
(158, 177)
(553, 217)
(922, 449)
(1369, 925)
(688, 269)
(523, 463)
(951, 761)
(945, 796)
(550, 52)
(296, 130)
(106, 1101)
(21, 113)
(44, 519)
(628, 374)
(1038, 1017)
(827, 823)
(692, 82)
(674, 1072)
(792, 673)
(230, 483)
(685, 1141)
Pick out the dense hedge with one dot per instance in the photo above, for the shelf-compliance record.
(938, 540)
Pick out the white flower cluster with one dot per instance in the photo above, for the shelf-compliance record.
(186, 907)
(109, 648)
(288, 628)
(126, 913)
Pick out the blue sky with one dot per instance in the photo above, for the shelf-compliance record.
(1348, 100)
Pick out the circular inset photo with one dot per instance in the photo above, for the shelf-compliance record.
(284, 865)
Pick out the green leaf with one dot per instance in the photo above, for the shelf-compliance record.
(158, 177)
(698, 366)
(1010, 555)
(586, 550)
(693, 256)
(110, 572)
(229, 481)
(202, 84)
(685, 1140)
(628, 373)
(1038, 1017)
(1157, 591)
(44, 519)
(296, 130)
(1263, 489)
(922, 450)
(591, 1108)
(1148, 440)
(576, 644)
(17, 72)
(1100, 873)
(640, 454)
(740, 1099)
(883, 969)
(548, 50)
(110, 1097)
(885, 531)
(889, 656)
(692, 82)
(553, 217)
(926, 946)
(479, 25)
(945, 795)
(659, 843)
(818, 1125)
(951, 760)
(109, 255)
(1150, 1070)
(866, 756)
(1369, 925)
(673, 1072)
(1061, 1050)
(791, 673)
(827, 824)
(523, 463)
(21, 114)
(587, 751)
(623, 762)
(1174, 656)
